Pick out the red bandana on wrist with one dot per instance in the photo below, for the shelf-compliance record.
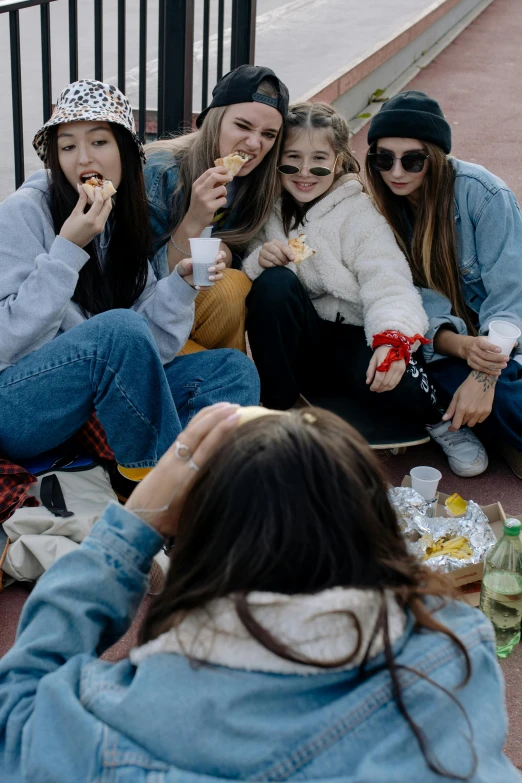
(400, 347)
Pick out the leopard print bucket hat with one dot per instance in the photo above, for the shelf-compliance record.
(88, 100)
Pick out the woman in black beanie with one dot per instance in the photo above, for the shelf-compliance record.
(461, 229)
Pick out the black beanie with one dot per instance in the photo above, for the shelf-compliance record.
(411, 115)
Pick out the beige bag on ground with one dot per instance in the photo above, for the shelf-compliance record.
(39, 537)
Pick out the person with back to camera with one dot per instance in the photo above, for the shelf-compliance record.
(190, 188)
(344, 320)
(85, 326)
(461, 229)
(296, 637)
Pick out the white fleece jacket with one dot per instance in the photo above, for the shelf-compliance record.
(358, 269)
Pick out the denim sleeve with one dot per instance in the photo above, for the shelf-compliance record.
(161, 176)
(438, 309)
(498, 241)
(79, 608)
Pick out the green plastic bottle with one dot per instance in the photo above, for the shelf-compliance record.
(501, 593)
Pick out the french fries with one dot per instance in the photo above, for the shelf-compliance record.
(455, 547)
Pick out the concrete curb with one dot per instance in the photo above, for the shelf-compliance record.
(394, 62)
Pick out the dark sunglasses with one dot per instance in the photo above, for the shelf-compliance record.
(315, 171)
(412, 162)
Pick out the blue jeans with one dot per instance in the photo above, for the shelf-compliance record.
(504, 423)
(110, 364)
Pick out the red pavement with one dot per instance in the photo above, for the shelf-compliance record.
(477, 81)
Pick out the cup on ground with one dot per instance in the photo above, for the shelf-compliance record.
(204, 252)
(504, 334)
(425, 481)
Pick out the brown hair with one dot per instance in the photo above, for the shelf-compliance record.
(432, 251)
(310, 117)
(297, 504)
(196, 152)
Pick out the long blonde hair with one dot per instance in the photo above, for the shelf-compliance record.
(196, 152)
(316, 116)
(432, 252)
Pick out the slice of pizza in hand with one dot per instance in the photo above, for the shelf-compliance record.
(251, 412)
(300, 249)
(233, 162)
(94, 183)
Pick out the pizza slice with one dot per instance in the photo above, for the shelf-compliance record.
(300, 249)
(233, 162)
(95, 183)
(251, 412)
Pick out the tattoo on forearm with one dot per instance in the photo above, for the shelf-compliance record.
(487, 381)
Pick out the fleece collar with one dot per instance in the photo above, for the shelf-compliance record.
(318, 626)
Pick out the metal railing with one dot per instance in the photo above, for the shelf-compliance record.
(16, 72)
(175, 57)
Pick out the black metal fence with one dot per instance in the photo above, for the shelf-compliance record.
(175, 57)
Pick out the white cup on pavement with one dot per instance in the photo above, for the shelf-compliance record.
(425, 481)
(204, 253)
(504, 334)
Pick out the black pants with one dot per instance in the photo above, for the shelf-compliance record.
(295, 352)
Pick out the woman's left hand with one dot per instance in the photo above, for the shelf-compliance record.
(184, 270)
(384, 381)
(159, 497)
(472, 402)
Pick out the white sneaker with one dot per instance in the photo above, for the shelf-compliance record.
(466, 454)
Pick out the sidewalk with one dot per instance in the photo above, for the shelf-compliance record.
(476, 79)
(339, 29)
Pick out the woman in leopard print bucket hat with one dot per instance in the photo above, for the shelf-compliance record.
(89, 100)
(85, 325)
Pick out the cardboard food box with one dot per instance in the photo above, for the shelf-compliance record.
(469, 577)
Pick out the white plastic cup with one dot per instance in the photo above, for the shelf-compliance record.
(204, 253)
(504, 334)
(425, 481)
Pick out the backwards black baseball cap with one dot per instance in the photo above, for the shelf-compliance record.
(240, 86)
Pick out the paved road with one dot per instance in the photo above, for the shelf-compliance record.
(303, 40)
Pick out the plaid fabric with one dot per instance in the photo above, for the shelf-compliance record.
(93, 438)
(15, 481)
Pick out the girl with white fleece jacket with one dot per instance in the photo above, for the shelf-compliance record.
(345, 320)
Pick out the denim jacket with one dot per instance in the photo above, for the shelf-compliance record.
(161, 176)
(66, 715)
(489, 246)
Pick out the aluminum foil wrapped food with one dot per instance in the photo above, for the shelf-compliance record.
(446, 543)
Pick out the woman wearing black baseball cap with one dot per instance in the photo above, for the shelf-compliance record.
(187, 192)
(460, 227)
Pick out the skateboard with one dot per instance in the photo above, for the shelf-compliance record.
(382, 431)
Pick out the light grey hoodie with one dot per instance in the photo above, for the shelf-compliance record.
(38, 276)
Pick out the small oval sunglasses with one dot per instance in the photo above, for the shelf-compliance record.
(315, 171)
(412, 162)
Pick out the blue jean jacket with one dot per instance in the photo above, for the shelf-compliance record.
(489, 245)
(67, 716)
(161, 177)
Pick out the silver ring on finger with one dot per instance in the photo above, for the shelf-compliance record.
(183, 453)
(193, 465)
